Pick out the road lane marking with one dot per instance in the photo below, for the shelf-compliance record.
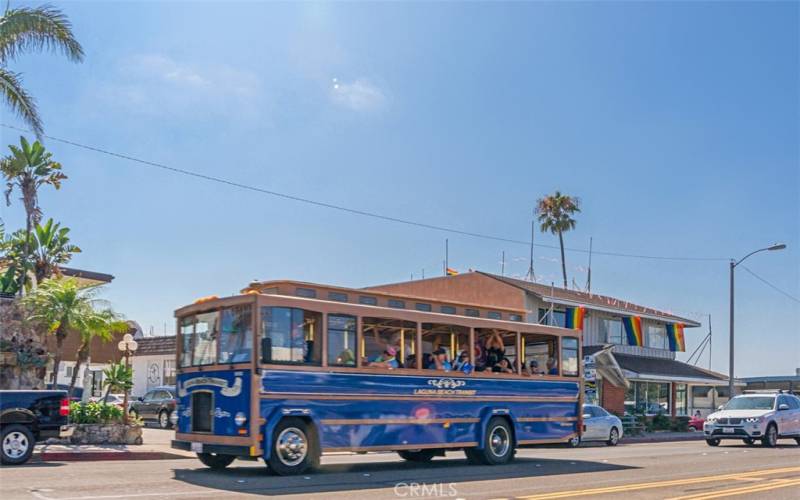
(771, 485)
(657, 484)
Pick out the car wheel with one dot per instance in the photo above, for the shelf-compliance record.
(713, 442)
(215, 461)
(163, 419)
(770, 439)
(748, 441)
(574, 442)
(18, 443)
(294, 448)
(417, 456)
(613, 437)
(498, 445)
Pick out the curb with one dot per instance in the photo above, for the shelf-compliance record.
(662, 439)
(92, 456)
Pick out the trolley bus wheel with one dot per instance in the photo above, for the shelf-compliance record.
(215, 461)
(417, 456)
(294, 448)
(498, 446)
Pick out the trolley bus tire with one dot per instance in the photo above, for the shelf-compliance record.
(498, 445)
(215, 461)
(417, 456)
(295, 448)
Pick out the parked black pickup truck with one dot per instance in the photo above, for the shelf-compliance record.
(28, 417)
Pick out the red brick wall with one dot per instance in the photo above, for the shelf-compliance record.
(613, 398)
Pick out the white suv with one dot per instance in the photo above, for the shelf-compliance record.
(765, 416)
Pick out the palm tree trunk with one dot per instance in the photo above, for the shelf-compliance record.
(83, 353)
(57, 357)
(563, 262)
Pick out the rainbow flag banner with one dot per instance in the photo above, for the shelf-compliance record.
(675, 336)
(633, 329)
(575, 317)
(451, 271)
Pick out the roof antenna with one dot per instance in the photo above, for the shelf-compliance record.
(589, 275)
(503, 264)
(531, 276)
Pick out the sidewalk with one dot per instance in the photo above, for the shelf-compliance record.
(69, 453)
(156, 447)
(662, 437)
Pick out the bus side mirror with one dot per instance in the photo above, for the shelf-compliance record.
(266, 350)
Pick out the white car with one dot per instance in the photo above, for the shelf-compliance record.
(599, 425)
(750, 417)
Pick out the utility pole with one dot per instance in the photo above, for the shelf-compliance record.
(503, 264)
(446, 255)
(531, 276)
(589, 276)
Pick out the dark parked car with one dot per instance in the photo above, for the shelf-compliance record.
(28, 417)
(156, 405)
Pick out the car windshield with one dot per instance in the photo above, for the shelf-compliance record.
(751, 403)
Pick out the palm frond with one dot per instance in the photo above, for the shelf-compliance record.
(18, 99)
(32, 29)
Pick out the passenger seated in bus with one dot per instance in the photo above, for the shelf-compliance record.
(462, 359)
(427, 361)
(346, 357)
(532, 368)
(552, 366)
(440, 361)
(386, 360)
(495, 350)
(502, 366)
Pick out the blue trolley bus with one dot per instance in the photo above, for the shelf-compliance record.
(287, 371)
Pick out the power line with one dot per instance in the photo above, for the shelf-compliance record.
(787, 294)
(363, 213)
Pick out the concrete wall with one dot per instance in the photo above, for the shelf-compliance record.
(148, 372)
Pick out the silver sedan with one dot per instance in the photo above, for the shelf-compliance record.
(599, 425)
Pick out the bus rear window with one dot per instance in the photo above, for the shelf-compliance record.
(236, 335)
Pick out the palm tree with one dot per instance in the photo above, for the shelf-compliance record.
(29, 167)
(25, 30)
(117, 377)
(555, 216)
(47, 248)
(102, 324)
(62, 306)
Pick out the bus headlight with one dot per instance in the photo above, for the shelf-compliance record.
(240, 419)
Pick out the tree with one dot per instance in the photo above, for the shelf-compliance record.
(27, 168)
(101, 324)
(118, 377)
(555, 216)
(25, 30)
(43, 252)
(62, 306)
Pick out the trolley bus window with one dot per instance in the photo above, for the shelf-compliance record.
(205, 342)
(341, 340)
(187, 337)
(569, 356)
(290, 336)
(236, 335)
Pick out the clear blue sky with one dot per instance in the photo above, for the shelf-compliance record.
(675, 123)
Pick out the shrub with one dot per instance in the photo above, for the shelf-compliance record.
(660, 422)
(94, 413)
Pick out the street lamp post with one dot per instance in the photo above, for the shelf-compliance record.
(128, 346)
(733, 265)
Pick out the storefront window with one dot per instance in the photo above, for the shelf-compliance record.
(552, 318)
(681, 401)
(649, 398)
(169, 372)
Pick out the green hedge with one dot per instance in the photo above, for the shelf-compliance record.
(94, 413)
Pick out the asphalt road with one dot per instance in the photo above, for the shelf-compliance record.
(688, 469)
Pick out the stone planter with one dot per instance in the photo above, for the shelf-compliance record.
(106, 434)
